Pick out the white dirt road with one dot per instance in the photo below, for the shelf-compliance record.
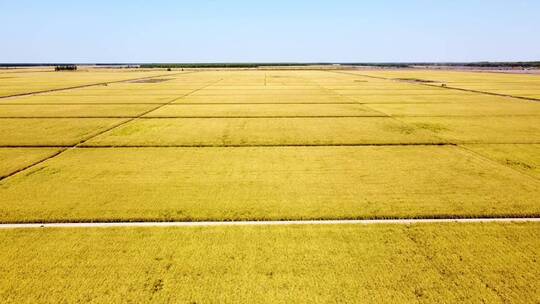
(260, 223)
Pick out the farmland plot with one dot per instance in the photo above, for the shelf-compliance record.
(527, 86)
(265, 183)
(263, 131)
(73, 111)
(524, 157)
(340, 263)
(235, 145)
(263, 110)
(47, 99)
(20, 83)
(51, 132)
(14, 159)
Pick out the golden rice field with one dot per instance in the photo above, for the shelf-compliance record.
(460, 263)
(500, 83)
(129, 145)
(266, 183)
(36, 80)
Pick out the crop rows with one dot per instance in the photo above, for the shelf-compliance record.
(233, 145)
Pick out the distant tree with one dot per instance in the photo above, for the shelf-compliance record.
(67, 67)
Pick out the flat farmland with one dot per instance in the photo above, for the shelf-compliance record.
(49, 99)
(263, 131)
(115, 91)
(524, 157)
(138, 145)
(267, 98)
(490, 107)
(14, 159)
(499, 83)
(23, 82)
(51, 132)
(483, 130)
(231, 144)
(449, 98)
(315, 264)
(263, 110)
(73, 111)
(163, 184)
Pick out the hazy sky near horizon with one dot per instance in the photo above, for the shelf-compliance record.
(268, 31)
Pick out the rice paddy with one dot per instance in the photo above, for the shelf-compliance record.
(302, 131)
(523, 157)
(14, 159)
(19, 132)
(73, 111)
(23, 82)
(164, 184)
(235, 145)
(470, 263)
(263, 110)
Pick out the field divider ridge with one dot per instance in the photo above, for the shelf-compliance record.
(268, 145)
(389, 144)
(268, 223)
(264, 116)
(87, 146)
(195, 116)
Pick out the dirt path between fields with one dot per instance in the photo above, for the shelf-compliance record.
(264, 223)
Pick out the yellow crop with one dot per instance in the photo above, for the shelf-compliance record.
(13, 159)
(51, 132)
(110, 184)
(233, 145)
(453, 263)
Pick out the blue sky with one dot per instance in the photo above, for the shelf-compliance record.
(268, 31)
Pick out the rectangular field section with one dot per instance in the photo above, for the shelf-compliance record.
(47, 99)
(523, 157)
(13, 159)
(484, 130)
(263, 131)
(51, 132)
(20, 83)
(503, 107)
(265, 99)
(263, 110)
(82, 110)
(317, 264)
(270, 183)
